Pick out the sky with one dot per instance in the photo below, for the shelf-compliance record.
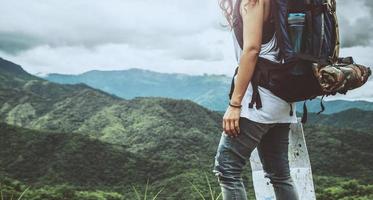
(72, 37)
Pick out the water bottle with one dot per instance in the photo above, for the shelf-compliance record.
(296, 26)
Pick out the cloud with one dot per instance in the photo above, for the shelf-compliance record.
(355, 21)
(195, 55)
(76, 36)
(160, 35)
(90, 23)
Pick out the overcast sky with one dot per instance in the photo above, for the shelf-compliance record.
(71, 37)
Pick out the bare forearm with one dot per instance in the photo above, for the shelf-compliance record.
(245, 72)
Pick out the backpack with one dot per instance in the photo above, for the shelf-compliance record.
(311, 65)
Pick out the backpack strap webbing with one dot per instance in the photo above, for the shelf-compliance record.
(255, 98)
(305, 113)
(332, 6)
(232, 84)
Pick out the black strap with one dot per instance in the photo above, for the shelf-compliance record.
(305, 113)
(310, 58)
(291, 113)
(254, 95)
(321, 105)
(255, 98)
(232, 84)
(311, 7)
(268, 27)
(346, 60)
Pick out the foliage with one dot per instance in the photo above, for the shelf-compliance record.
(137, 194)
(347, 190)
(11, 188)
(212, 193)
(353, 119)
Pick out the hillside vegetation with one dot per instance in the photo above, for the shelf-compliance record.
(88, 144)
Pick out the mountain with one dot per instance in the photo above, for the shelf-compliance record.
(210, 91)
(42, 105)
(46, 160)
(134, 82)
(353, 119)
(161, 129)
(55, 133)
(335, 106)
(12, 75)
(340, 152)
(41, 157)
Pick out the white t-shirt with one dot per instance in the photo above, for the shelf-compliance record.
(274, 109)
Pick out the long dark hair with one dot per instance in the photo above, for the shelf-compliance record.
(227, 8)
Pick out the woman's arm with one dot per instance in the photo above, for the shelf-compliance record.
(252, 12)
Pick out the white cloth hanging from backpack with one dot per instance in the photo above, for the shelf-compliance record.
(275, 109)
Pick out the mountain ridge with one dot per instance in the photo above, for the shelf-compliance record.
(210, 91)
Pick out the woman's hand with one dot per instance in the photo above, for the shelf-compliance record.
(231, 121)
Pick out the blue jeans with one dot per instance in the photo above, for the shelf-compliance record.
(272, 141)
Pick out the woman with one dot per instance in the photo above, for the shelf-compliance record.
(246, 128)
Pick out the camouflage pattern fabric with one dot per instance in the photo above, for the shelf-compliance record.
(341, 77)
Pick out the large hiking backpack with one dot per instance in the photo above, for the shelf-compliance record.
(314, 69)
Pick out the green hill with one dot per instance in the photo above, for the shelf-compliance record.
(37, 157)
(51, 159)
(180, 133)
(85, 137)
(42, 158)
(39, 104)
(335, 106)
(354, 119)
(340, 152)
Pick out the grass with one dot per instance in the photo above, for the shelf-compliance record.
(211, 192)
(12, 195)
(145, 196)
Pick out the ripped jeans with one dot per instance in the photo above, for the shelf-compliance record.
(272, 141)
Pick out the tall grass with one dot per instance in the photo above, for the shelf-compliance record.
(145, 196)
(212, 194)
(12, 195)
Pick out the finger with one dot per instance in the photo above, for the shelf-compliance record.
(233, 126)
(229, 128)
(225, 127)
(237, 126)
(233, 129)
